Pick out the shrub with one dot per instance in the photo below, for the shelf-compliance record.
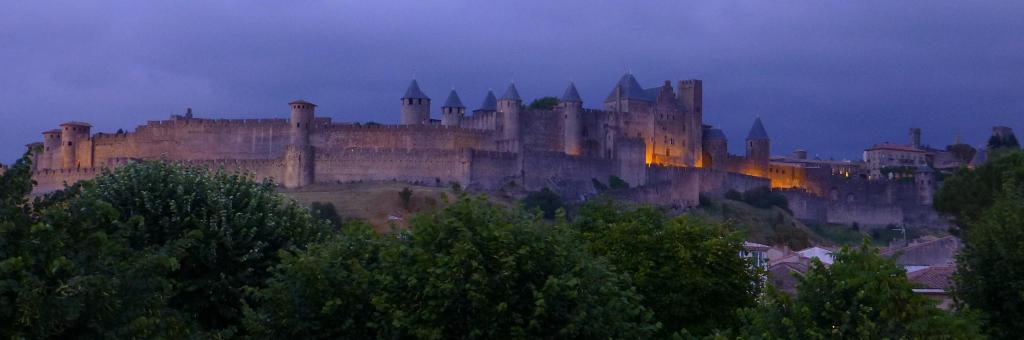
(406, 196)
(734, 195)
(326, 211)
(546, 201)
(765, 198)
(616, 183)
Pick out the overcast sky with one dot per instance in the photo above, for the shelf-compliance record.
(829, 76)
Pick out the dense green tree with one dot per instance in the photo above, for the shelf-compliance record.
(150, 249)
(862, 295)
(990, 267)
(688, 271)
(325, 292)
(544, 103)
(969, 193)
(474, 270)
(1002, 142)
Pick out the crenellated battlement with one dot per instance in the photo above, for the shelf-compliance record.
(215, 122)
(231, 162)
(404, 128)
(80, 171)
(388, 153)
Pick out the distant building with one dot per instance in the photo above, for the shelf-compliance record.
(785, 276)
(934, 282)
(925, 252)
(879, 157)
(756, 252)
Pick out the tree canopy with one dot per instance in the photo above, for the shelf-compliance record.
(470, 270)
(149, 249)
(988, 203)
(544, 103)
(862, 295)
(688, 271)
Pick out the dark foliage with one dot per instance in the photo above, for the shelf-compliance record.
(616, 183)
(546, 201)
(765, 198)
(326, 211)
(406, 196)
(544, 103)
(734, 195)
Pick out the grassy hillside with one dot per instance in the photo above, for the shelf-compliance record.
(378, 203)
(776, 226)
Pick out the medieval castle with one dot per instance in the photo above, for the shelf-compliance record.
(654, 139)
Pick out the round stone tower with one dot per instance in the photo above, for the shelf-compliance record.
(453, 111)
(758, 148)
(298, 156)
(302, 118)
(509, 105)
(716, 147)
(572, 108)
(415, 106)
(71, 135)
(51, 150)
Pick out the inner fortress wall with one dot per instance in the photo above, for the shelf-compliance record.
(542, 130)
(482, 120)
(427, 166)
(408, 137)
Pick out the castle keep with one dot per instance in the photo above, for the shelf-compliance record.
(654, 139)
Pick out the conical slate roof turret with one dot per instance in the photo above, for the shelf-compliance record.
(571, 95)
(453, 100)
(715, 134)
(630, 89)
(490, 102)
(757, 131)
(511, 93)
(414, 92)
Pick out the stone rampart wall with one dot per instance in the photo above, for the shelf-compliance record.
(428, 166)
(572, 174)
(191, 139)
(490, 170)
(346, 136)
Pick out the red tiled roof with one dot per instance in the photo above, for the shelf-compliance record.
(935, 277)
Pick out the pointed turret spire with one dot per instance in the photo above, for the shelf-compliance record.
(490, 102)
(453, 100)
(571, 95)
(757, 131)
(414, 92)
(511, 93)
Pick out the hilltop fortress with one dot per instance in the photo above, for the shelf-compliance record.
(654, 139)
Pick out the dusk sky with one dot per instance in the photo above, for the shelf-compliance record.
(832, 77)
